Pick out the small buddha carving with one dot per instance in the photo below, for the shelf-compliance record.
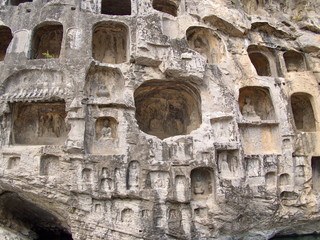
(248, 111)
(198, 188)
(106, 132)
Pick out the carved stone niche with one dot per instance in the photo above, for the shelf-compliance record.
(17, 2)
(207, 43)
(166, 6)
(228, 164)
(39, 123)
(5, 39)
(133, 175)
(202, 182)
(116, 7)
(46, 40)
(167, 108)
(315, 164)
(49, 165)
(295, 61)
(104, 82)
(303, 114)
(13, 162)
(106, 129)
(255, 104)
(110, 42)
(260, 58)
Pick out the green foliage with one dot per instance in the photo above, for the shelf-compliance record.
(48, 55)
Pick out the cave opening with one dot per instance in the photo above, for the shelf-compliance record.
(24, 214)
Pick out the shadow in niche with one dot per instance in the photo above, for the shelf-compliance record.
(296, 237)
(43, 224)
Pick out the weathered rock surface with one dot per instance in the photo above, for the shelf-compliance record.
(159, 119)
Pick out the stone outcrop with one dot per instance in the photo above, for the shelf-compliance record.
(159, 119)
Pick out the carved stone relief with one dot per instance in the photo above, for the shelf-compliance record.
(167, 108)
(39, 123)
(103, 82)
(116, 34)
(207, 43)
(46, 41)
(255, 104)
(133, 175)
(201, 183)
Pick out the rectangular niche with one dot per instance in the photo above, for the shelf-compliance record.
(262, 139)
(315, 164)
(39, 123)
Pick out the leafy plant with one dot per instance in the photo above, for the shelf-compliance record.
(48, 55)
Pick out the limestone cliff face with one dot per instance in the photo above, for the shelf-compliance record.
(159, 119)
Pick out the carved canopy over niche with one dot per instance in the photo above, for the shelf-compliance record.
(110, 42)
(34, 85)
(104, 82)
(207, 43)
(167, 108)
(5, 39)
(39, 123)
(255, 104)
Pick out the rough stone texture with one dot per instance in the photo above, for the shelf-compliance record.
(163, 119)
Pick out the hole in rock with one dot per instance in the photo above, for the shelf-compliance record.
(294, 61)
(24, 214)
(166, 6)
(261, 63)
(315, 164)
(5, 39)
(46, 41)
(17, 2)
(303, 112)
(109, 42)
(167, 108)
(116, 7)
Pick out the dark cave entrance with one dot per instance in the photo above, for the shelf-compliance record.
(42, 224)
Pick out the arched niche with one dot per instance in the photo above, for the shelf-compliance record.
(284, 179)
(5, 39)
(303, 114)
(255, 104)
(201, 182)
(207, 43)
(294, 61)
(271, 180)
(39, 123)
(166, 108)
(260, 59)
(46, 41)
(106, 129)
(17, 2)
(116, 7)
(110, 42)
(32, 220)
(133, 175)
(166, 6)
(315, 164)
